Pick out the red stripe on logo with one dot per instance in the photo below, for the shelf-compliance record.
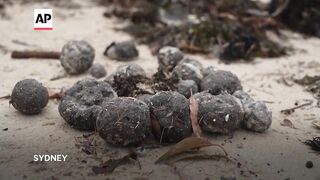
(42, 28)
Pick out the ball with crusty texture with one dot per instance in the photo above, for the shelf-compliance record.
(124, 121)
(192, 61)
(125, 79)
(168, 58)
(221, 81)
(187, 71)
(218, 113)
(122, 51)
(208, 70)
(29, 96)
(170, 116)
(257, 118)
(187, 87)
(81, 103)
(98, 71)
(77, 57)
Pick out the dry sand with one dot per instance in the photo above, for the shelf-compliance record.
(277, 154)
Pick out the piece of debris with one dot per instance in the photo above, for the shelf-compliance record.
(220, 81)
(309, 164)
(87, 143)
(98, 71)
(6, 97)
(316, 124)
(29, 96)
(126, 78)
(35, 54)
(194, 110)
(124, 121)
(5, 129)
(110, 165)
(187, 144)
(56, 93)
(314, 143)
(81, 104)
(292, 110)
(122, 51)
(220, 113)
(77, 57)
(287, 123)
(170, 116)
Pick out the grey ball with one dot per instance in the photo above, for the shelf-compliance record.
(124, 121)
(77, 57)
(187, 87)
(208, 70)
(187, 71)
(29, 96)
(218, 113)
(221, 81)
(168, 58)
(122, 51)
(257, 117)
(98, 71)
(81, 103)
(170, 116)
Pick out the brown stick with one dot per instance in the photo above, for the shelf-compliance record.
(35, 54)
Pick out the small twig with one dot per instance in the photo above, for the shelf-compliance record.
(290, 110)
(6, 97)
(35, 54)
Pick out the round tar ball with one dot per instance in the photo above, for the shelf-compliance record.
(218, 113)
(29, 96)
(122, 51)
(221, 81)
(168, 58)
(187, 87)
(170, 116)
(77, 57)
(98, 71)
(124, 121)
(257, 117)
(187, 71)
(81, 103)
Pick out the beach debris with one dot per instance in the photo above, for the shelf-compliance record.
(122, 51)
(98, 71)
(299, 15)
(110, 165)
(77, 57)
(126, 78)
(81, 104)
(170, 116)
(314, 143)
(316, 124)
(292, 110)
(194, 109)
(35, 54)
(87, 143)
(29, 96)
(220, 81)
(203, 27)
(312, 84)
(185, 145)
(287, 123)
(124, 121)
(218, 113)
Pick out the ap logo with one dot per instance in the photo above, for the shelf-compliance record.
(42, 19)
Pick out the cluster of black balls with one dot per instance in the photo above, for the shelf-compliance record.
(165, 115)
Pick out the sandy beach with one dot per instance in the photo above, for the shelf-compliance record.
(278, 153)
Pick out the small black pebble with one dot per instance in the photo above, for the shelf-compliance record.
(309, 164)
(5, 129)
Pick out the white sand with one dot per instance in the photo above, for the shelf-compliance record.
(48, 133)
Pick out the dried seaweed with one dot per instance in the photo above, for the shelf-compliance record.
(314, 143)
(230, 29)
